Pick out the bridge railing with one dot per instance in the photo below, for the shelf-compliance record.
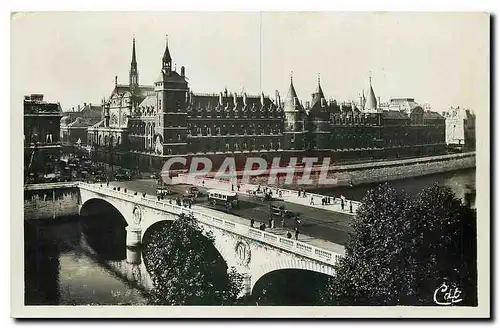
(295, 246)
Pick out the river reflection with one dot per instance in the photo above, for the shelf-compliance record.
(59, 272)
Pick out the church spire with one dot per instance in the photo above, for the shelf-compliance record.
(134, 61)
(134, 73)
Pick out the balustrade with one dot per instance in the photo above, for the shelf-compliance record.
(315, 253)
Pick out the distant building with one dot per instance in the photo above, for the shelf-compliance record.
(42, 146)
(460, 128)
(74, 123)
(143, 125)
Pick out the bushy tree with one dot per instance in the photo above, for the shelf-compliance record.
(401, 249)
(187, 269)
(446, 240)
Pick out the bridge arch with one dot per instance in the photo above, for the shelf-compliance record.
(286, 264)
(103, 229)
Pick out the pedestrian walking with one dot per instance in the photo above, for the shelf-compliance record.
(252, 222)
(342, 204)
(350, 207)
(270, 220)
(232, 187)
(158, 197)
(125, 190)
(312, 201)
(283, 222)
(298, 194)
(272, 223)
(238, 187)
(203, 182)
(288, 235)
(296, 233)
(303, 193)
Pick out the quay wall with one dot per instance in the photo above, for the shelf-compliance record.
(359, 174)
(50, 201)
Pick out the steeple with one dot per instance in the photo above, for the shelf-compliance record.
(167, 59)
(134, 73)
(371, 101)
(134, 61)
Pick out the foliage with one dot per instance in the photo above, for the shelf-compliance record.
(187, 269)
(402, 249)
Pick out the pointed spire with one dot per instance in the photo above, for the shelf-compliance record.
(319, 91)
(166, 54)
(134, 61)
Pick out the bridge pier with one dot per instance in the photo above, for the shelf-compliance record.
(247, 285)
(133, 244)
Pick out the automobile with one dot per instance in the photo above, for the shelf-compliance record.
(193, 191)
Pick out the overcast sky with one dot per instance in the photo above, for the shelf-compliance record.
(440, 59)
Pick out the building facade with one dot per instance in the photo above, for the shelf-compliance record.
(143, 126)
(75, 123)
(42, 145)
(460, 128)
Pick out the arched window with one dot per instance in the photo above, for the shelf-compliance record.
(118, 141)
(105, 140)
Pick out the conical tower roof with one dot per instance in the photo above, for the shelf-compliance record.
(371, 101)
(292, 102)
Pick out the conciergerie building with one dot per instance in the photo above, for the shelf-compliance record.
(144, 125)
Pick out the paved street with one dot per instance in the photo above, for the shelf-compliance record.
(315, 222)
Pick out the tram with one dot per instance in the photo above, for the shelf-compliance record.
(228, 199)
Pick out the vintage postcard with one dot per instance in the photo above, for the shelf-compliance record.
(264, 164)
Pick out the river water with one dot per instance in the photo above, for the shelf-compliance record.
(59, 272)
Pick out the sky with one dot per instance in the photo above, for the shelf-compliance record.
(437, 58)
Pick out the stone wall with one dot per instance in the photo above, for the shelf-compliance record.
(379, 172)
(51, 203)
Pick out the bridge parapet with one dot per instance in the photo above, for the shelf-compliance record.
(300, 248)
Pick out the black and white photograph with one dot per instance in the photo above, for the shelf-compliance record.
(258, 162)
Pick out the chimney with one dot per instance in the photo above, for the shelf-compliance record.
(84, 104)
(183, 71)
(244, 98)
(235, 100)
(220, 98)
(378, 101)
(278, 100)
(78, 107)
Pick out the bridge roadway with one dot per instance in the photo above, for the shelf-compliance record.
(316, 224)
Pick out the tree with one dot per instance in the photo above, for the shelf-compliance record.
(402, 249)
(187, 269)
(447, 244)
(376, 269)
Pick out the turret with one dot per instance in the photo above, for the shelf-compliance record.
(371, 101)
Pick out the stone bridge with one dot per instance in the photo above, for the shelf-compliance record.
(252, 252)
